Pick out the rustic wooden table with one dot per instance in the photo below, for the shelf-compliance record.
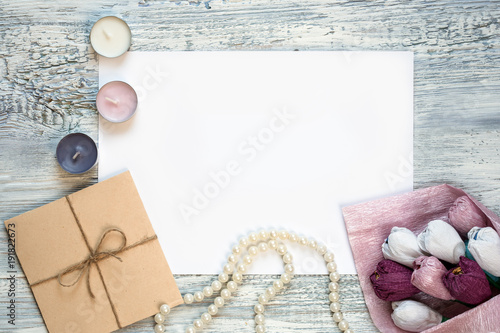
(49, 80)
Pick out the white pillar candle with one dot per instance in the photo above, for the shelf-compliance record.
(110, 37)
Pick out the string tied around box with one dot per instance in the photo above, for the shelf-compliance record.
(83, 267)
(94, 257)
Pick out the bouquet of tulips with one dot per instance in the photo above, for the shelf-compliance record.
(439, 266)
(439, 263)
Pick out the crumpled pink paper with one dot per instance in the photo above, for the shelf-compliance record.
(368, 224)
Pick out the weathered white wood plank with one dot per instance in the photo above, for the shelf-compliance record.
(301, 307)
(48, 82)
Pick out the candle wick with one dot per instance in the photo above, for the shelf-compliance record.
(76, 155)
(115, 102)
(107, 34)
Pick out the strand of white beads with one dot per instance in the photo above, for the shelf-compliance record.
(242, 256)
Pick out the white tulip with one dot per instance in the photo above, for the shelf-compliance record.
(442, 241)
(401, 246)
(484, 245)
(414, 316)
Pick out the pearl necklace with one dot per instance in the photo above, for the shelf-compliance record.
(247, 249)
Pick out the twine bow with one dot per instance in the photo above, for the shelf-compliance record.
(94, 257)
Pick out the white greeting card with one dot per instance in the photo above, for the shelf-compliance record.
(225, 143)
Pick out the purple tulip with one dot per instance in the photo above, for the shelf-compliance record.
(392, 281)
(467, 282)
(463, 215)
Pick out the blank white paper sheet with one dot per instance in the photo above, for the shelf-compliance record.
(226, 143)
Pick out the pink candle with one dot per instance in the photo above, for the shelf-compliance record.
(116, 101)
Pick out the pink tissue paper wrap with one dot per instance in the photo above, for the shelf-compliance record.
(368, 225)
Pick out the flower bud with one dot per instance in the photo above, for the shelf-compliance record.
(414, 316)
(467, 282)
(464, 215)
(428, 277)
(484, 246)
(442, 241)
(392, 281)
(401, 246)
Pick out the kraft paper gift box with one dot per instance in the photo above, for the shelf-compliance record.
(93, 260)
(369, 224)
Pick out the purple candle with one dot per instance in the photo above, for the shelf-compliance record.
(76, 153)
(116, 101)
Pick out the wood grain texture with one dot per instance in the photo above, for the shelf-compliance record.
(48, 83)
(303, 306)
